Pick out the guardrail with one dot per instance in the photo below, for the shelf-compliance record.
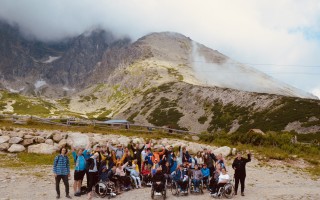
(83, 122)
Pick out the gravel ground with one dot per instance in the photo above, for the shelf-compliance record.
(261, 183)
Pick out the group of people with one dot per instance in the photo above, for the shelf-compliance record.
(143, 163)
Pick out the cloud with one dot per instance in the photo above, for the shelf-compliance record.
(281, 32)
(316, 92)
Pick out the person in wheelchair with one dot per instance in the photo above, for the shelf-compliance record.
(158, 181)
(224, 178)
(181, 178)
(146, 173)
(123, 177)
(206, 174)
(196, 178)
(214, 179)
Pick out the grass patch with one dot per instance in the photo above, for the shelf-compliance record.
(202, 119)
(166, 114)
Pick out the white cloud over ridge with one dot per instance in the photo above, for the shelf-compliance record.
(249, 31)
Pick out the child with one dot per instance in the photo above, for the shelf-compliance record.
(146, 173)
(206, 173)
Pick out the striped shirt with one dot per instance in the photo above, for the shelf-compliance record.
(61, 165)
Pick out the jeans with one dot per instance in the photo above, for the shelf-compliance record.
(196, 183)
(65, 181)
(137, 181)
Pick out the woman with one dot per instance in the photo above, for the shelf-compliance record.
(93, 175)
(239, 166)
(223, 179)
(199, 158)
(61, 170)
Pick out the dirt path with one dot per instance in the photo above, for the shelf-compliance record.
(261, 183)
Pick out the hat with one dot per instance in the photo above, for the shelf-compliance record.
(119, 145)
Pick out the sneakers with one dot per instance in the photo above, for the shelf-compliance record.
(68, 196)
(58, 196)
(157, 193)
(77, 194)
(113, 194)
(242, 194)
(213, 194)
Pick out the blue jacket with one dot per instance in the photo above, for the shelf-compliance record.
(61, 165)
(80, 162)
(148, 158)
(173, 166)
(205, 172)
(178, 175)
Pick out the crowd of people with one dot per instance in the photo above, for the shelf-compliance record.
(141, 163)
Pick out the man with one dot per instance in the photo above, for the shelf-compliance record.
(119, 150)
(79, 170)
(61, 170)
(209, 158)
(158, 181)
(239, 166)
(137, 154)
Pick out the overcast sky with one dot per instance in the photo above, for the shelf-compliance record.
(279, 37)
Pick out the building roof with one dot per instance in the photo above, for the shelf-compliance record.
(116, 121)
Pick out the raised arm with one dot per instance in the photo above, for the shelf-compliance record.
(112, 147)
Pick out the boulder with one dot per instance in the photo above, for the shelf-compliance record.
(17, 134)
(16, 148)
(78, 140)
(4, 146)
(62, 143)
(42, 148)
(27, 142)
(138, 141)
(234, 151)
(28, 136)
(4, 139)
(57, 137)
(195, 138)
(49, 135)
(124, 141)
(39, 139)
(225, 151)
(15, 140)
(49, 141)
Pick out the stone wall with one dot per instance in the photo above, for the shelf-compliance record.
(48, 142)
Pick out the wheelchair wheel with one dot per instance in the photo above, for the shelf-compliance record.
(174, 188)
(164, 194)
(228, 191)
(101, 189)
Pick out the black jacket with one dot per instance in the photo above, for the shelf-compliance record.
(137, 152)
(240, 165)
(158, 177)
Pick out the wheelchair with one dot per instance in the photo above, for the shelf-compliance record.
(103, 189)
(193, 189)
(227, 191)
(163, 192)
(176, 190)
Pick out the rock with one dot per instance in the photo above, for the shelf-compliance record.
(15, 140)
(225, 151)
(49, 141)
(17, 134)
(4, 139)
(78, 140)
(42, 148)
(234, 151)
(28, 136)
(16, 148)
(195, 138)
(57, 137)
(49, 135)
(39, 139)
(138, 141)
(124, 141)
(4, 146)
(27, 142)
(62, 143)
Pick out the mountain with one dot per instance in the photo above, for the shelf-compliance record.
(162, 79)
